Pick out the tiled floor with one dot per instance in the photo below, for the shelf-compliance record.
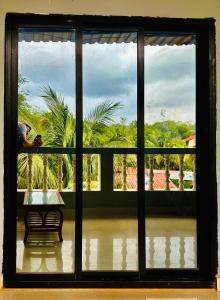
(109, 294)
(110, 244)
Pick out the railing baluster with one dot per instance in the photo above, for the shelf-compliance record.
(167, 251)
(45, 173)
(182, 252)
(151, 252)
(100, 168)
(167, 173)
(88, 177)
(194, 172)
(60, 171)
(30, 175)
(87, 253)
(74, 172)
(151, 172)
(124, 254)
(124, 172)
(181, 173)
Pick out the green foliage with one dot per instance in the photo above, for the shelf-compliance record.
(96, 124)
(167, 134)
(58, 129)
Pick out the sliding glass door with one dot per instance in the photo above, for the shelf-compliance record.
(46, 103)
(170, 151)
(115, 194)
(110, 224)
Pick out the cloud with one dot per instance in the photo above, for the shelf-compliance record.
(110, 73)
(128, 109)
(169, 62)
(109, 69)
(48, 63)
(178, 93)
(170, 79)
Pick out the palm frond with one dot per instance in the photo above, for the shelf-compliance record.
(103, 113)
(58, 118)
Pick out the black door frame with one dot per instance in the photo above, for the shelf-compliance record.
(204, 275)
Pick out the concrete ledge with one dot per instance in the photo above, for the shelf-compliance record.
(218, 282)
(1, 281)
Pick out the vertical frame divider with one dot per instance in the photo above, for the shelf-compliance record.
(10, 155)
(79, 134)
(140, 152)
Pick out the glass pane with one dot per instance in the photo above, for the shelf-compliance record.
(170, 85)
(46, 182)
(170, 179)
(110, 229)
(109, 90)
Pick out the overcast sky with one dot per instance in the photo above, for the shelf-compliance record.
(110, 73)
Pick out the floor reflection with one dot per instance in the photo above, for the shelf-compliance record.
(43, 253)
(110, 245)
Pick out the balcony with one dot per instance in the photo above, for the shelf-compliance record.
(110, 178)
(113, 162)
(109, 202)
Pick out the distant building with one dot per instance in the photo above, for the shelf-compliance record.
(159, 179)
(190, 141)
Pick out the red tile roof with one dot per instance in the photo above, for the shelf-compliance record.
(189, 138)
(159, 179)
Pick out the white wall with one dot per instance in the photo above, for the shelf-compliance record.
(152, 8)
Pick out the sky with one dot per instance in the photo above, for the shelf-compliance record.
(110, 73)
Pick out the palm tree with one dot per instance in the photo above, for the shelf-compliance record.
(29, 115)
(97, 121)
(60, 128)
(95, 127)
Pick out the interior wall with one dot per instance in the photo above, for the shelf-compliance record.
(152, 8)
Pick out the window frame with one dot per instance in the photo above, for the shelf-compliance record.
(204, 275)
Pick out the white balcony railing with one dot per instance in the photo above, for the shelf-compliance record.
(122, 172)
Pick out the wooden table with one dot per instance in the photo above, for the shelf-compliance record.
(43, 213)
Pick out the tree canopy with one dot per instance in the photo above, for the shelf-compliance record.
(57, 125)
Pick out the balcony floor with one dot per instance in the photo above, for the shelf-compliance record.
(110, 244)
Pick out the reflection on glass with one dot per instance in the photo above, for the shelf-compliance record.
(170, 91)
(109, 120)
(170, 243)
(46, 102)
(110, 244)
(43, 253)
